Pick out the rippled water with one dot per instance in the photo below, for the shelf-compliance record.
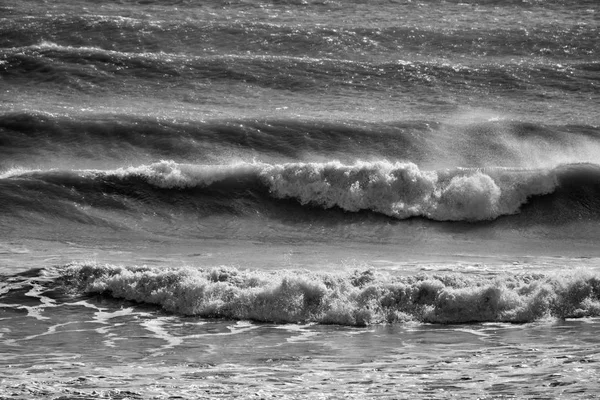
(93, 349)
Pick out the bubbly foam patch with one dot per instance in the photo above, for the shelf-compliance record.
(402, 190)
(357, 298)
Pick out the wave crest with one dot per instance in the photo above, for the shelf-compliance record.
(402, 190)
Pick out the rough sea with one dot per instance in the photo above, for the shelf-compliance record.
(299, 199)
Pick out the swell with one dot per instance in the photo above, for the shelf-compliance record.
(30, 139)
(354, 298)
(97, 69)
(398, 190)
(23, 135)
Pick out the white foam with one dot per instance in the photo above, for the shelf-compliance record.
(156, 326)
(402, 190)
(357, 298)
(301, 331)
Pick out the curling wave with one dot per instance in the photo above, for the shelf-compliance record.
(396, 189)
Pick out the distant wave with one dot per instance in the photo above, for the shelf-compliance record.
(300, 37)
(53, 63)
(399, 190)
(354, 298)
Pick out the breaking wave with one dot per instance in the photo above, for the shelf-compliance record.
(396, 189)
(348, 298)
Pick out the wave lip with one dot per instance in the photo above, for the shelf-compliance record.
(357, 298)
(402, 190)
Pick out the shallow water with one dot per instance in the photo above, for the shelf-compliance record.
(59, 344)
(101, 348)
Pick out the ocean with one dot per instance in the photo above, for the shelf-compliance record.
(299, 199)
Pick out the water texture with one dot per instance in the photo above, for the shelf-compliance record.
(299, 199)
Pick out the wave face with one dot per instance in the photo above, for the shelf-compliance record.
(356, 298)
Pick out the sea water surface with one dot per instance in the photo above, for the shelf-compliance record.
(299, 199)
